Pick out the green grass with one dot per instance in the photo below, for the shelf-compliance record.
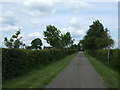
(110, 76)
(40, 77)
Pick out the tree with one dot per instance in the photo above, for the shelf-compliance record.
(97, 37)
(14, 41)
(62, 40)
(36, 44)
(8, 43)
(52, 36)
(28, 47)
(74, 47)
(66, 40)
(80, 47)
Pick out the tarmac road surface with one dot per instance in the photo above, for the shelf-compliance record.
(79, 73)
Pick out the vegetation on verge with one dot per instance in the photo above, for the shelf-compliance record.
(109, 75)
(39, 77)
(97, 43)
(17, 62)
(111, 60)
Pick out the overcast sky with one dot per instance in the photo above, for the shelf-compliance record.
(75, 17)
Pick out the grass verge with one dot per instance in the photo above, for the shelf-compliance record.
(110, 76)
(40, 77)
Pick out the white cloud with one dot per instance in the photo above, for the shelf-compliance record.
(116, 42)
(75, 22)
(76, 6)
(77, 34)
(78, 23)
(39, 8)
(76, 29)
(27, 38)
(1, 20)
(35, 35)
(9, 28)
(8, 22)
(60, 0)
(34, 24)
(74, 32)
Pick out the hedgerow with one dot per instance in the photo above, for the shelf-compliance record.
(102, 55)
(16, 62)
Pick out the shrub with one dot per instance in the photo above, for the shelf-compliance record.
(102, 55)
(114, 57)
(16, 62)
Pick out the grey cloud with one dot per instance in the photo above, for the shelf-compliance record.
(9, 18)
(9, 28)
(39, 8)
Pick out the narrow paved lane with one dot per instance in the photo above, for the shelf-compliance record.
(78, 74)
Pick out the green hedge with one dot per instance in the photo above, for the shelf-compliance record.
(102, 55)
(115, 58)
(16, 62)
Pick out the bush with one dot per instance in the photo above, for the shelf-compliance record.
(102, 55)
(114, 57)
(16, 62)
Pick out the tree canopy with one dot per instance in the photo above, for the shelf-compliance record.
(97, 37)
(36, 44)
(53, 37)
(66, 40)
(14, 41)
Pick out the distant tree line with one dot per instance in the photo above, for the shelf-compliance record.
(52, 35)
(97, 37)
